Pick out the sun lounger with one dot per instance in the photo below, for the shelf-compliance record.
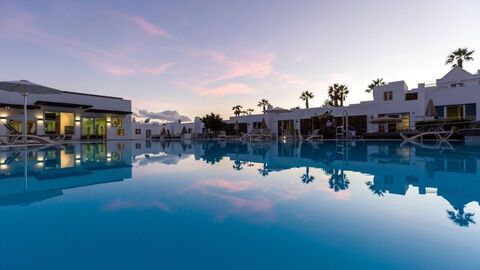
(315, 136)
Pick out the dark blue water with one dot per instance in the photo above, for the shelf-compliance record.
(208, 205)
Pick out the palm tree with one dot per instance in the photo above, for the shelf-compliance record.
(305, 96)
(333, 94)
(459, 55)
(337, 93)
(263, 104)
(237, 110)
(374, 83)
(249, 111)
(343, 92)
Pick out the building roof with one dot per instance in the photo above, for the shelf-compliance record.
(456, 74)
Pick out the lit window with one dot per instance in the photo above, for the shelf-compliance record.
(388, 95)
(116, 121)
(138, 131)
(120, 132)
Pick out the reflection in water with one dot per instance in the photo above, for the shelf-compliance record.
(31, 175)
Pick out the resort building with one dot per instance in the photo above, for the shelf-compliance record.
(79, 116)
(75, 115)
(455, 96)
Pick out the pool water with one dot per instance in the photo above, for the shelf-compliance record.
(222, 205)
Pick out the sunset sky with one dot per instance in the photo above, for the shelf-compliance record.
(197, 57)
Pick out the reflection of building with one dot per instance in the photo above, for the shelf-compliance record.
(454, 175)
(49, 171)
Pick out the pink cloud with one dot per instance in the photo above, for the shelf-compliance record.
(255, 65)
(143, 24)
(22, 25)
(128, 204)
(231, 186)
(231, 88)
(122, 71)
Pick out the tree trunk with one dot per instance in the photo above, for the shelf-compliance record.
(306, 103)
(460, 63)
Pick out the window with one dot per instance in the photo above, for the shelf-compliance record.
(388, 95)
(17, 125)
(51, 123)
(120, 132)
(456, 84)
(411, 96)
(455, 112)
(405, 124)
(440, 111)
(138, 131)
(120, 146)
(471, 110)
(138, 146)
(116, 121)
(59, 123)
(32, 127)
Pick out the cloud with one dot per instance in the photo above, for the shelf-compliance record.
(226, 89)
(122, 71)
(167, 115)
(143, 24)
(129, 204)
(220, 71)
(22, 25)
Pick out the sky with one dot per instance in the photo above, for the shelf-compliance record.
(190, 58)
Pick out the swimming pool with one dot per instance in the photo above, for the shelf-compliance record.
(222, 205)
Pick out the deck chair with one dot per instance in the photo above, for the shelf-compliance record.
(314, 136)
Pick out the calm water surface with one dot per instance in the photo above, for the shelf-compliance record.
(209, 205)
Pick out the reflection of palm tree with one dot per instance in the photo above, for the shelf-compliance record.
(461, 218)
(376, 190)
(338, 181)
(238, 165)
(263, 171)
(306, 177)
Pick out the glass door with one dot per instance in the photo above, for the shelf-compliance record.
(101, 127)
(88, 128)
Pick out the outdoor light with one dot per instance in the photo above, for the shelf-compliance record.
(3, 118)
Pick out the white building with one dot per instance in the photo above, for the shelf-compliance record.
(81, 116)
(77, 115)
(455, 95)
(142, 130)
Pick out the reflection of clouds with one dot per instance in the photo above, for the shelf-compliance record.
(129, 204)
(339, 195)
(242, 198)
(162, 159)
(231, 186)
